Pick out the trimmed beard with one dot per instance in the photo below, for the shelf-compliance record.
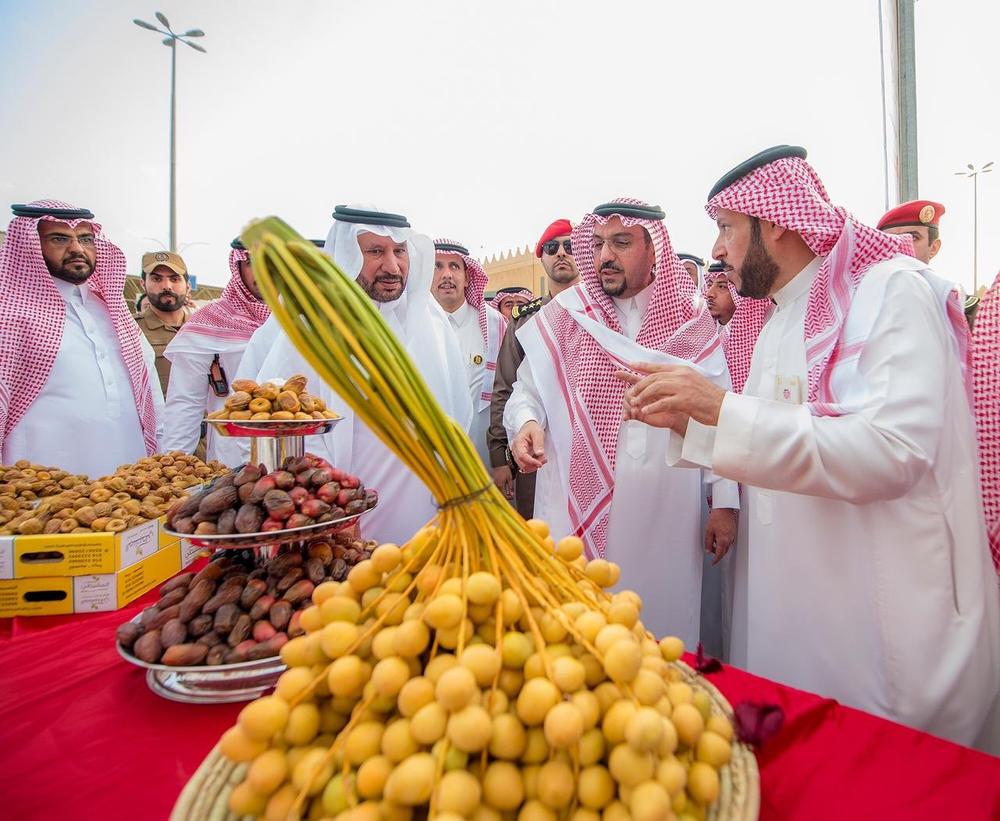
(758, 271)
(375, 296)
(613, 290)
(155, 301)
(73, 277)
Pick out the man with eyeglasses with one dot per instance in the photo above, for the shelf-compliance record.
(555, 251)
(458, 285)
(78, 388)
(602, 477)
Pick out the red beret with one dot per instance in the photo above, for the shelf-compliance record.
(917, 212)
(559, 228)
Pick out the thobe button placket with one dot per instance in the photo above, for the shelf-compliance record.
(764, 507)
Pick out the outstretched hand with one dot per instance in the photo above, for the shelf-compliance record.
(666, 396)
(528, 447)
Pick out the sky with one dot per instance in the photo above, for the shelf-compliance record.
(479, 121)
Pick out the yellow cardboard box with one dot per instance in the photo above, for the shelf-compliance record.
(93, 593)
(79, 554)
(36, 597)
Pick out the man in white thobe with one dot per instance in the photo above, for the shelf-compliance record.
(393, 264)
(555, 250)
(78, 388)
(600, 478)
(740, 320)
(205, 355)
(863, 572)
(458, 286)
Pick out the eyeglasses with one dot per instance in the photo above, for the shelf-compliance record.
(61, 240)
(552, 247)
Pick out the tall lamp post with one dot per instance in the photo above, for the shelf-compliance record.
(171, 38)
(973, 172)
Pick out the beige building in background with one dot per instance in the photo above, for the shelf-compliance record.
(518, 268)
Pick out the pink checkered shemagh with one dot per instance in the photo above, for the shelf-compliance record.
(740, 334)
(475, 286)
(789, 192)
(500, 297)
(236, 314)
(492, 324)
(593, 395)
(986, 393)
(32, 314)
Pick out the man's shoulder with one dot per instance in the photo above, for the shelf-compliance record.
(901, 274)
(522, 312)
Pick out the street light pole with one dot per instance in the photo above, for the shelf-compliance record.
(173, 145)
(975, 233)
(973, 172)
(171, 38)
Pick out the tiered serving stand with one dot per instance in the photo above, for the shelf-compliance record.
(271, 442)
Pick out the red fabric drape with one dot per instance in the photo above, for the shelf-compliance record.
(81, 736)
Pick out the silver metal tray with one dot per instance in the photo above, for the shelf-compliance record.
(251, 540)
(268, 428)
(204, 684)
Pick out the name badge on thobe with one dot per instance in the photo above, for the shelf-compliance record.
(788, 389)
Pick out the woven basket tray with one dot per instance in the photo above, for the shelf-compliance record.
(739, 780)
(205, 797)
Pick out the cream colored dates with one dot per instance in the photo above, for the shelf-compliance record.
(419, 686)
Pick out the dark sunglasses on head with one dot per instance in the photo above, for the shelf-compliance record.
(552, 247)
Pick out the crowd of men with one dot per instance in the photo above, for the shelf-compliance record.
(793, 452)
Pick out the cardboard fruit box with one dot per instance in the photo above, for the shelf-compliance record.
(97, 592)
(80, 554)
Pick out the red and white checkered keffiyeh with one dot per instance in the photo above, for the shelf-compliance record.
(236, 314)
(32, 315)
(594, 397)
(492, 324)
(501, 296)
(740, 334)
(789, 192)
(986, 393)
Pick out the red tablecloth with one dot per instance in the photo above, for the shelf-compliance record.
(83, 737)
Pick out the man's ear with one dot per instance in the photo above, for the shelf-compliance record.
(772, 230)
(933, 248)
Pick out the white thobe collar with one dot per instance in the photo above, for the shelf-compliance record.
(394, 313)
(632, 310)
(798, 285)
(462, 315)
(78, 294)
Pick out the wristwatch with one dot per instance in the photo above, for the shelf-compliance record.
(511, 463)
